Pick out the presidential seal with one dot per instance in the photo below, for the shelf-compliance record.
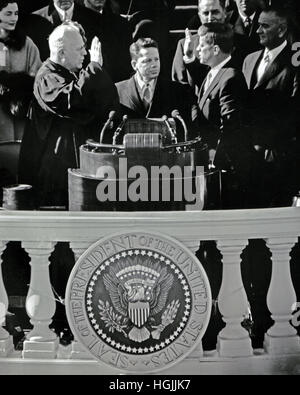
(138, 301)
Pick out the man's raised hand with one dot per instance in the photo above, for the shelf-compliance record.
(96, 52)
(188, 46)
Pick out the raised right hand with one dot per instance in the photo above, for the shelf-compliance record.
(96, 52)
(188, 46)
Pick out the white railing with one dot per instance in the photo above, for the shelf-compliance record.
(40, 231)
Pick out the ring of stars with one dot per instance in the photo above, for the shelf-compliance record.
(139, 350)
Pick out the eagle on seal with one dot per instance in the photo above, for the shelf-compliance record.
(138, 291)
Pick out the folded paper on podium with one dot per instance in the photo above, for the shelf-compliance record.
(150, 125)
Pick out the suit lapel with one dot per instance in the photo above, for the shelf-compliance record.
(133, 97)
(251, 74)
(54, 16)
(239, 26)
(158, 99)
(77, 13)
(254, 25)
(213, 84)
(274, 68)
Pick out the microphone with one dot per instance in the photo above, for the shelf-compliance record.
(111, 116)
(176, 114)
(119, 129)
(171, 130)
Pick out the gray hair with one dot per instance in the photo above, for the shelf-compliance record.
(57, 37)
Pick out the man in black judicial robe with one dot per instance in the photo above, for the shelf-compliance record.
(70, 105)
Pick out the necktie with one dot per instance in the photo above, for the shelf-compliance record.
(66, 17)
(147, 95)
(267, 58)
(247, 24)
(207, 81)
(263, 65)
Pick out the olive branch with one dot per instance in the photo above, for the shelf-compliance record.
(113, 321)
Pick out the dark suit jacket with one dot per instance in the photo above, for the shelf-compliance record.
(168, 96)
(252, 42)
(221, 117)
(115, 33)
(274, 100)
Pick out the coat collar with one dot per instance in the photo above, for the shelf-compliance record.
(16, 39)
(57, 68)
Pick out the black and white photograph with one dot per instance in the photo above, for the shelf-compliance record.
(149, 190)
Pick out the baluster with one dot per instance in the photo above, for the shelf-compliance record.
(6, 341)
(281, 337)
(233, 340)
(193, 245)
(77, 350)
(41, 341)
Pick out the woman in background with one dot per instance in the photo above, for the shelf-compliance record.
(19, 63)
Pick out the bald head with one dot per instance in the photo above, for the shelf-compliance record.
(60, 36)
(67, 47)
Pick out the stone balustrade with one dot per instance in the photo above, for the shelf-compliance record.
(231, 230)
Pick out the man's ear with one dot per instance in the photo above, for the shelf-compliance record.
(282, 30)
(61, 54)
(133, 64)
(216, 50)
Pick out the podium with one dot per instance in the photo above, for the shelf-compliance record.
(148, 172)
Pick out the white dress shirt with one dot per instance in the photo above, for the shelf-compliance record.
(65, 15)
(268, 57)
(142, 85)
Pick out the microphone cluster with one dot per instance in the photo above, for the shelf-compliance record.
(119, 129)
(111, 116)
(172, 131)
(176, 114)
(174, 141)
(108, 125)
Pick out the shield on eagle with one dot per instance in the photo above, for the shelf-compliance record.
(139, 313)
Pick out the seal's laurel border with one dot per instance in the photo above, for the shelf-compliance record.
(77, 294)
(175, 334)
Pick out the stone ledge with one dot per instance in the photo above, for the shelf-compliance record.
(209, 364)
